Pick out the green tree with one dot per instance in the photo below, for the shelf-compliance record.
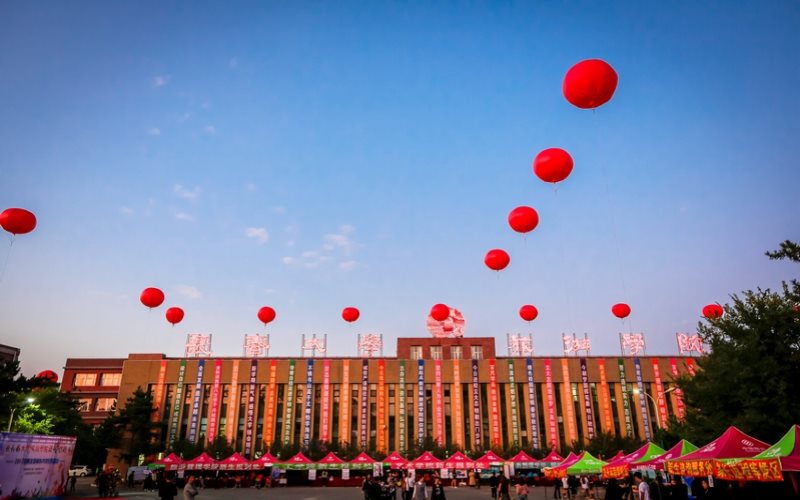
(186, 449)
(220, 448)
(135, 421)
(12, 387)
(751, 377)
(33, 419)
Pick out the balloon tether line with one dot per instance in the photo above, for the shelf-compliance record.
(8, 257)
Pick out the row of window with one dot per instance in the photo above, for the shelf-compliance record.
(91, 379)
(99, 404)
(456, 352)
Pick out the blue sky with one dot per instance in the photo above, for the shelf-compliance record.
(312, 156)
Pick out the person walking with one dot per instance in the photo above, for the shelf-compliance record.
(72, 480)
(522, 490)
(190, 491)
(565, 486)
(557, 488)
(642, 488)
(437, 492)
(493, 482)
(408, 486)
(167, 490)
(420, 492)
(503, 488)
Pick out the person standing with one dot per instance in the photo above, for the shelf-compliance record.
(408, 486)
(190, 491)
(642, 488)
(72, 480)
(565, 486)
(557, 488)
(493, 482)
(420, 492)
(522, 490)
(437, 492)
(167, 490)
(503, 487)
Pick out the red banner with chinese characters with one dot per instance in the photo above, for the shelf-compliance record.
(690, 367)
(326, 401)
(233, 404)
(681, 409)
(381, 431)
(494, 413)
(269, 414)
(661, 395)
(344, 404)
(551, 403)
(768, 469)
(213, 406)
(571, 431)
(616, 471)
(605, 400)
(438, 400)
(694, 468)
(455, 398)
(159, 395)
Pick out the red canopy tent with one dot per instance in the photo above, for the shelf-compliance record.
(571, 459)
(235, 462)
(426, 461)
(769, 465)
(330, 461)
(733, 443)
(657, 463)
(621, 467)
(395, 461)
(265, 460)
(459, 461)
(362, 461)
(618, 456)
(553, 457)
(171, 462)
(489, 459)
(523, 459)
(298, 461)
(202, 462)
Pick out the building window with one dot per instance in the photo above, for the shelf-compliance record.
(436, 352)
(85, 404)
(477, 351)
(456, 352)
(111, 379)
(85, 379)
(106, 404)
(416, 352)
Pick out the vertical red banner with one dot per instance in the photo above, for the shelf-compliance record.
(661, 396)
(344, 404)
(159, 395)
(269, 414)
(567, 401)
(494, 411)
(605, 398)
(690, 366)
(233, 404)
(455, 398)
(324, 433)
(381, 400)
(213, 405)
(552, 423)
(681, 409)
(438, 403)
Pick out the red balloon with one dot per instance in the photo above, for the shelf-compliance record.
(590, 83)
(497, 259)
(266, 314)
(17, 221)
(350, 314)
(440, 312)
(713, 311)
(621, 310)
(174, 315)
(528, 312)
(552, 165)
(152, 297)
(523, 219)
(48, 375)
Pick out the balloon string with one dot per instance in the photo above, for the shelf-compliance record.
(8, 257)
(562, 244)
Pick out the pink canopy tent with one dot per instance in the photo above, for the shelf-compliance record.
(202, 462)
(171, 462)
(616, 457)
(235, 462)
(553, 457)
(657, 463)
(489, 459)
(459, 461)
(621, 467)
(426, 461)
(769, 465)
(733, 443)
(265, 460)
(395, 461)
(571, 459)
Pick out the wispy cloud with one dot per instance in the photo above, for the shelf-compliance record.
(186, 193)
(189, 292)
(340, 240)
(289, 260)
(210, 130)
(339, 243)
(348, 265)
(258, 233)
(155, 131)
(159, 81)
(184, 216)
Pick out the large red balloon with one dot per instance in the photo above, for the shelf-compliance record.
(497, 259)
(266, 314)
(174, 315)
(350, 314)
(523, 219)
(552, 165)
(713, 311)
(590, 83)
(440, 312)
(621, 310)
(528, 312)
(48, 375)
(152, 297)
(17, 221)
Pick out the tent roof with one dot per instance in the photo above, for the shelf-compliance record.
(523, 457)
(487, 459)
(617, 456)
(787, 449)
(682, 448)
(203, 458)
(553, 456)
(234, 459)
(619, 468)
(299, 459)
(571, 459)
(266, 458)
(588, 464)
(426, 461)
(330, 458)
(395, 459)
(363, 458)
(459, 460)
(733, 443)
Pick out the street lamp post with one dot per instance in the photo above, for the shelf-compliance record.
(13, 411)
(655, 405)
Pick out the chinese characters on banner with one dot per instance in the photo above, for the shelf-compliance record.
(198, 345)
(369, 344)
(326, 401)
(213, 406)
(420, 401)
(532, 405)
(401, 405)
(690, 367)
(661, 395)
(381, 430)
(288, 418)
(587, 400)
(512, 396)
(626, 404)
(571, 430)
(476, 404)
(159, 393)
(631, 344)
(458, 415)
(680, 409)
(438, 411)
(637, 368)
(313, 344)
(364, 402)
(307, 403)
(344, 406)
(551, 402)
(520, 345)
(572, 344)
(178, 403)
(196, 395)
(251, 407)
(256, 346)
(690, 343)
(233, 403)
(494, 406)
(269, 417)
(605, 402)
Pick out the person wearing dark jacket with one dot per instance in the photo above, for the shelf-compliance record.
(167, 490)
(437, 492)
